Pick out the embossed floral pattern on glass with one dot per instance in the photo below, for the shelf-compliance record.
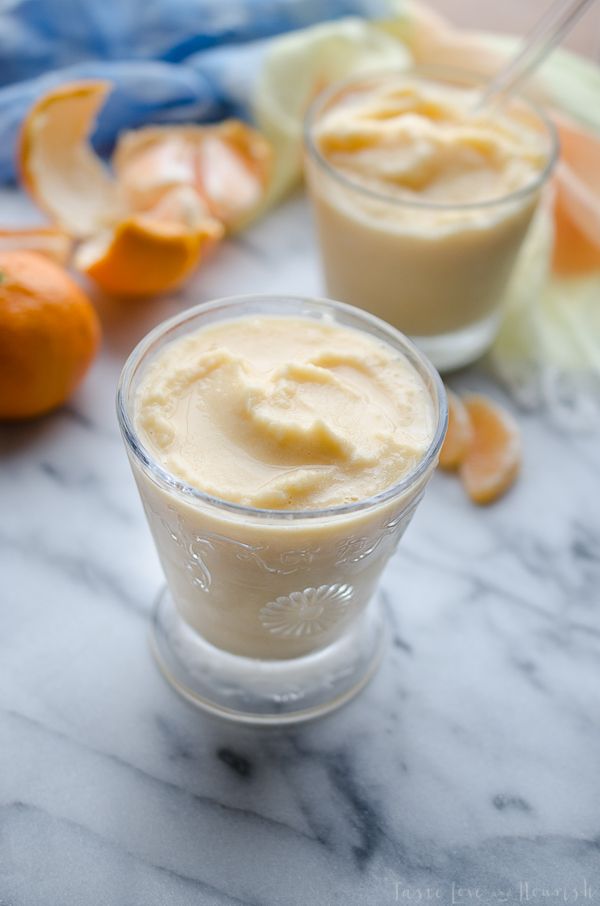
(306, 612)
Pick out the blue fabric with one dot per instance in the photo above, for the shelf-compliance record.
(170, 60)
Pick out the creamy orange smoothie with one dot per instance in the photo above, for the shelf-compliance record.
(289, 415)
(421, 203)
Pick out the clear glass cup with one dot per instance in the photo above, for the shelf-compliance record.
(270, 616)
(438, 272)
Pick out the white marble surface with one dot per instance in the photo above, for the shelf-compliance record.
(467, 771)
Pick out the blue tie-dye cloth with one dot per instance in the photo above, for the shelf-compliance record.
(170, 60)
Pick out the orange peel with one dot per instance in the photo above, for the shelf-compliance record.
(458, 434)
(57, 164)
(228, 164)
(433, 40)
(52, 242)
(173, 192)
(493, 458)
(151, 252)
(577, 199)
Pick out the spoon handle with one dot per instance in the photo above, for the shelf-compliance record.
(556, 22)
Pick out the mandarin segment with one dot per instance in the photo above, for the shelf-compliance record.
(493, 458)
(458, 434)
(49, 334)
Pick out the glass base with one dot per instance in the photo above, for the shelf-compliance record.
(260, 691)
(461, 347)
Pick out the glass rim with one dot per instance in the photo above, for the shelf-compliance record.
(326, 94)
(166, 479)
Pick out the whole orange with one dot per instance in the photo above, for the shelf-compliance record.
(49, 334)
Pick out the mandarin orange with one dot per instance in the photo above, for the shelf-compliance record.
(49, 334)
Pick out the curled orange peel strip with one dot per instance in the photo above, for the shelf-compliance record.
(173, 192)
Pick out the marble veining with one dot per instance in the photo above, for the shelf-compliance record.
(466, 772)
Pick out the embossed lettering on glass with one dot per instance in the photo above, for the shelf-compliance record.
(270, 616)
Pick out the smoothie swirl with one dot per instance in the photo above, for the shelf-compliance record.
(284, 413)
(416, 140)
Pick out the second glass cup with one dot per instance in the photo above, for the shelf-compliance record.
(437, 271)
